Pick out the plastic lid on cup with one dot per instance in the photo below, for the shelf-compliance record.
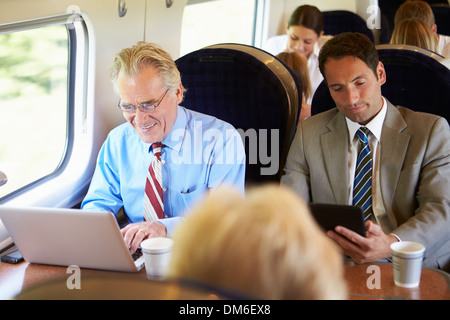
(407, 248)
(157, 245)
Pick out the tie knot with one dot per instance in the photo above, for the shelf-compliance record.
(157, 148)
(362, 134)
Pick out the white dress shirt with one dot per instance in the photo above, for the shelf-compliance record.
(444, 46)
(375, 126)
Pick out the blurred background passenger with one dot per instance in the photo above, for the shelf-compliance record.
(422, 10)
(415, 32)
(266, 246)
(299, 65)
(304, 36)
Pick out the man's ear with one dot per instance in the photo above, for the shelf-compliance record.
(381, 73)
(180, 93)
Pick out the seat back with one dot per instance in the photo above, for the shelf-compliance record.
(441, 17)
(340, 21)
(416, 79)
(445, 62)
(322, 100)
(252, 90)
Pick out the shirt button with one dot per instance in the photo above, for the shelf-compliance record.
(164, 189)
(163, 161)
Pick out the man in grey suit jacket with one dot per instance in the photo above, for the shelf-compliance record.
(410, 153)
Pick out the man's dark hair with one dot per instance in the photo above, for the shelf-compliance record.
(352, 44)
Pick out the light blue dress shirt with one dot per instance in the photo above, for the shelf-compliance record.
(200, 153)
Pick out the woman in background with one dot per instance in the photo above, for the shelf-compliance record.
(422, 10)
(299, 65)
(304, 36)
(415, 32)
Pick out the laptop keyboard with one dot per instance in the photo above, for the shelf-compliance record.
(137, 254)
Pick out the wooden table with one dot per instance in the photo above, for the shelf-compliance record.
(31, 281)
(363, 284)
(34, 281)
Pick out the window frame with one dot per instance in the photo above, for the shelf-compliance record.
(77, 31)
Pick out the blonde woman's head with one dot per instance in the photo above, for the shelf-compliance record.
(414, 32)
(264, 246)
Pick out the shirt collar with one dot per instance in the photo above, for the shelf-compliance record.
(375, 125)
(316, 49)
(313, 58)
(176, 136)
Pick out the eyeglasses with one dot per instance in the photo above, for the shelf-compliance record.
(144, 107)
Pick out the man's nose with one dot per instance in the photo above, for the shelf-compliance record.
(140, 116)
(351, 96)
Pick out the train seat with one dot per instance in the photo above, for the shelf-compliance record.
(446, 62)
(253, 91)
(441, 17)
(340, 21)
(416, 79)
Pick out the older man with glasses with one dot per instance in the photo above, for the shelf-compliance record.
(165, 157)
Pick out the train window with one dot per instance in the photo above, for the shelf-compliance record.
(219, 21)
(36, 77)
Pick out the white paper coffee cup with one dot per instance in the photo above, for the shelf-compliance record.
(157, 253)
(407, 259)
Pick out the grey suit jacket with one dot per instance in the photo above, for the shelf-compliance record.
(414, 173)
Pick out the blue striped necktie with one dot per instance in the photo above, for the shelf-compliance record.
(362, 186)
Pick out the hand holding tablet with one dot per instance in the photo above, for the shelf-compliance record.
(329, 216)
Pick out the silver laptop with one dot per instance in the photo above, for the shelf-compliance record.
(67, 237)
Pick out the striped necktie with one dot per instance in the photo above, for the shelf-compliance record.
(153, 199)
(362, 186)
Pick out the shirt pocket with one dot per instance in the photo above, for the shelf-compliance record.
(191, 195)
(183, 199)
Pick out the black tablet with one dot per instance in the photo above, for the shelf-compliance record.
(328, 216)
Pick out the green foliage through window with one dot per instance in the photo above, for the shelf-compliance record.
(33, 104)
